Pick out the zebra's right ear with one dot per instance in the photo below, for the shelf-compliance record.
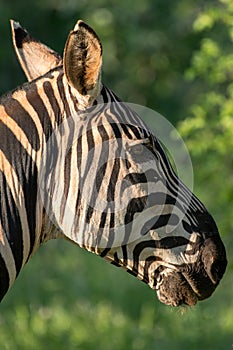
(83, 60)
(36, 59)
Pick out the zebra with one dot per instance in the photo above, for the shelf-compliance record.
(79, 164)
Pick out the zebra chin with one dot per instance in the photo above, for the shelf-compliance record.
(176, 291)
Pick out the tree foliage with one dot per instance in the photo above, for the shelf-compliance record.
(147, 44)
(208, 130)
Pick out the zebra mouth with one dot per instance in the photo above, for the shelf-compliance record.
(179, 288)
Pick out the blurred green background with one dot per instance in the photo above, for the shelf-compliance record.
(176, 57)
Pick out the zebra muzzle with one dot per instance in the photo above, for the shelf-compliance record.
(197, 281)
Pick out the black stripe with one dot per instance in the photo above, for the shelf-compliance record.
(4, 278)
(88, 157)
(94, 195)
(111, 234)
(62, 93)
(77, 208)
(103, 220)
(16, 111)
(90, 137)
(116, 130)
(108, 95)
(164, 243)
(133, 179)
(103, 157)
(74, 99)
(67, 170)
(113, 180)
(48, 89)
(67, 167)
(125, 255)
(103, 133)
(89, 214)
(148, 262)
(188, 228)
(102, 225)
(125, 128)
(159, 221)
(100, 175)
(105, 252)
(27, 174)
(101, 170)
(11, 223)
(134, 206)
(173, 184)
(79, 162)
(138, 132)
(37, 103)
(79, 149)
(112, 221)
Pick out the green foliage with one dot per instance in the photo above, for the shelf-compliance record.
(209, 129)
(69, 298)
(175, 57)
(147, 44)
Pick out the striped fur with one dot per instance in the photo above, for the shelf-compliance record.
(77, 163)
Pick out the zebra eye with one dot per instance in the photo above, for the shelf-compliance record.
(137, 149)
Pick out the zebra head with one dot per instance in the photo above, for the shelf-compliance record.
(111, 188)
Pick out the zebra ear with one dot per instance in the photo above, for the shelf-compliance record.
(35, 58)
(83, 60)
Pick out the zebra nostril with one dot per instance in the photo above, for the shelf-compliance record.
(214, 259)
(212, 271)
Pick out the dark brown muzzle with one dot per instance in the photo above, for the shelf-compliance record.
(193, 282)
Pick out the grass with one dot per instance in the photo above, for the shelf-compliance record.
(67, 298)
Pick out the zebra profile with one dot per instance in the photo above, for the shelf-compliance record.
(77, 163)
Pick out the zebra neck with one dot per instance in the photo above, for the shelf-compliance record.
(27, 119)
(18, 188)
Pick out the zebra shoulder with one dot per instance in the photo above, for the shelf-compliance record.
(35, 58)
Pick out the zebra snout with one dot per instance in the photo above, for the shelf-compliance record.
(204, 275)
(196, 281)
